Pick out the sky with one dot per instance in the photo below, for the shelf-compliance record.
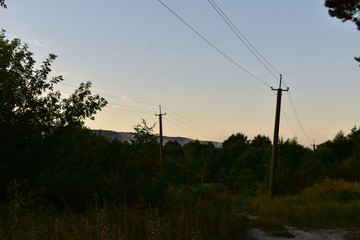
(139, 55)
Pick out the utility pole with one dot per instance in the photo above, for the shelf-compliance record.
(275, 151)
(314, 145)
(161, 135)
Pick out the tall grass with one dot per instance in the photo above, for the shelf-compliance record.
(189, 213)
(330, 204)
(185, 216)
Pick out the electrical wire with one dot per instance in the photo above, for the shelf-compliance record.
(183, 122)
(288, 122)
(213, 46)
(117, 106)
(191, 122)
(243, 39)
(185, 128)
(115, 97)
(247, 43)
(297, 116)
(178, 120)
(193, 128)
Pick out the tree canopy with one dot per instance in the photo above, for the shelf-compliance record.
(28, 99)
(2, 3)
(345, 10)
(33, 113)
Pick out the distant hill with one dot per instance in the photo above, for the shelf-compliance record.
(126, 136)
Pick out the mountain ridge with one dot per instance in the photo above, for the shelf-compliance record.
(126, 136)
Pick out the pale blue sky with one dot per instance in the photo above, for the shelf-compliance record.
(137, 49)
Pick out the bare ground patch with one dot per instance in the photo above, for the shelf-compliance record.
(301, 234)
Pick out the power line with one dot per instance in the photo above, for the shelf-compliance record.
(177, 117)
(117, 106)
(248, 45)
(186, 129)
(122, 107)
(129, 109)
(202, 128)
(243, 39)
(196, 128)
(297, 116)
(213, 46)
(190, 128)
(288, 122)
(118, 98)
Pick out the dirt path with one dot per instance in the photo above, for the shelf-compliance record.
(336, 234)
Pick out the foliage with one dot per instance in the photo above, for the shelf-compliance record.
(202, 212)
(345, 10)
(29, 103)
(327, 204)
(143, 134)
(32, 111)
(215, 217)
(2, 3)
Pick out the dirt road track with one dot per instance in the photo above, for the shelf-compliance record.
(316, 234)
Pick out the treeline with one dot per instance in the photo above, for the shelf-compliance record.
(75, 168)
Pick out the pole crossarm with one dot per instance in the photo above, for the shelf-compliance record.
(277, 89)
(314, 145)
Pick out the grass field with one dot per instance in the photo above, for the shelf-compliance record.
(216, 215)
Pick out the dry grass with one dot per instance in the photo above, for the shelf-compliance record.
(189, 220)
(330, 204)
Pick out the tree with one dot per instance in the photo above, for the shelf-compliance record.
(238, 138)
(31, 109)
(291, 154)
(345, 10)
(144, 134)
(28, 100)
(2, 3)
(143, 168)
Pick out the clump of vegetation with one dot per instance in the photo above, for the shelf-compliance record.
(327, 204)
(191, 216)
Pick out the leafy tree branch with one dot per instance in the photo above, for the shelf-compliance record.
(2, 4)
(345, 10)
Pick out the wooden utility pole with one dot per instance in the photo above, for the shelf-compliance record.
(161, 135)
(314, 145)
(275, 151)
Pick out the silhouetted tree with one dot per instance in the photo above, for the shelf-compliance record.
(144, 144)
(174, 154)
(31, 109)
(229, 159)
(28, 100)
(291, 154)
(2, 3)
(72, 169)
(143, 168)
(345, 10)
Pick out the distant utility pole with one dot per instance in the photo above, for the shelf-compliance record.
(314, 145)
(275, 151)
(161, 135)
